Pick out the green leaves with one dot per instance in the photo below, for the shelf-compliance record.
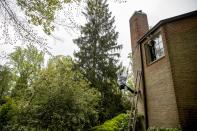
(98, 56)
(98, 45)
(42, 12)
(25, 63)
(117, 123)
(7, 113)
(27, 60)
(56, 97)
(63, 98)
(5, 80)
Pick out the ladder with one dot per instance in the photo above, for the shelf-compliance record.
(134, 101)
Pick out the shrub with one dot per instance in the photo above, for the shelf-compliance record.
(7, 114)
(119, 122)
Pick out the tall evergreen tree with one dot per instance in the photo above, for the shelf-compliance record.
(98, 55)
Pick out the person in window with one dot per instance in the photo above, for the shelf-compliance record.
(151, 46)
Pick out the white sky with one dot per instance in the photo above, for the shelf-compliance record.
(156, 10)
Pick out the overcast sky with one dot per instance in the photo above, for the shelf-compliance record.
(156, 10)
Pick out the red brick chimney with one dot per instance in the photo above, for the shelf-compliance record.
(138, 27)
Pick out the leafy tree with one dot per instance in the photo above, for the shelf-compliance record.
(62, 100)
(5, 79)
(7, 114)
(98, 55)
(26, 64)
(42, 12)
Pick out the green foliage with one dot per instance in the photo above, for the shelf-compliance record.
(120, 122)
(98, 56)
(42, 12)
(57, 97)
(61, 96)
(7, 113)
(117, 123)
(25, 63)
(62, 99)
(5, 79)
(26, 59)
(163, 129)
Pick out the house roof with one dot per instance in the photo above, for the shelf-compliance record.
(165, 21)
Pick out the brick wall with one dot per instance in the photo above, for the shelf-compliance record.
(170, 82)
(138, 27)
(182, 46)
(161, 102)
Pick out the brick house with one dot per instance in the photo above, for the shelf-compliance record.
(167, 57)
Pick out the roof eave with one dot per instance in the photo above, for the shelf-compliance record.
(165, 21)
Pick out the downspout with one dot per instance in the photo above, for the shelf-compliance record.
(144, 88)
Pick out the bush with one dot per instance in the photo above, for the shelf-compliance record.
(7, 114)
(163, 129)
(119, 122)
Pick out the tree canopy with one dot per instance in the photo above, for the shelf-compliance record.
(42, 12)
(60, 93)
(98, 56)
(55, 97)
(62, 99)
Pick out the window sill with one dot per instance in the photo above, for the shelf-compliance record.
(152, 62)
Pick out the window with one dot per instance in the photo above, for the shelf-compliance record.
(154, 49)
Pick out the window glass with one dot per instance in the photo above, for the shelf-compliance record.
(154, 49)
